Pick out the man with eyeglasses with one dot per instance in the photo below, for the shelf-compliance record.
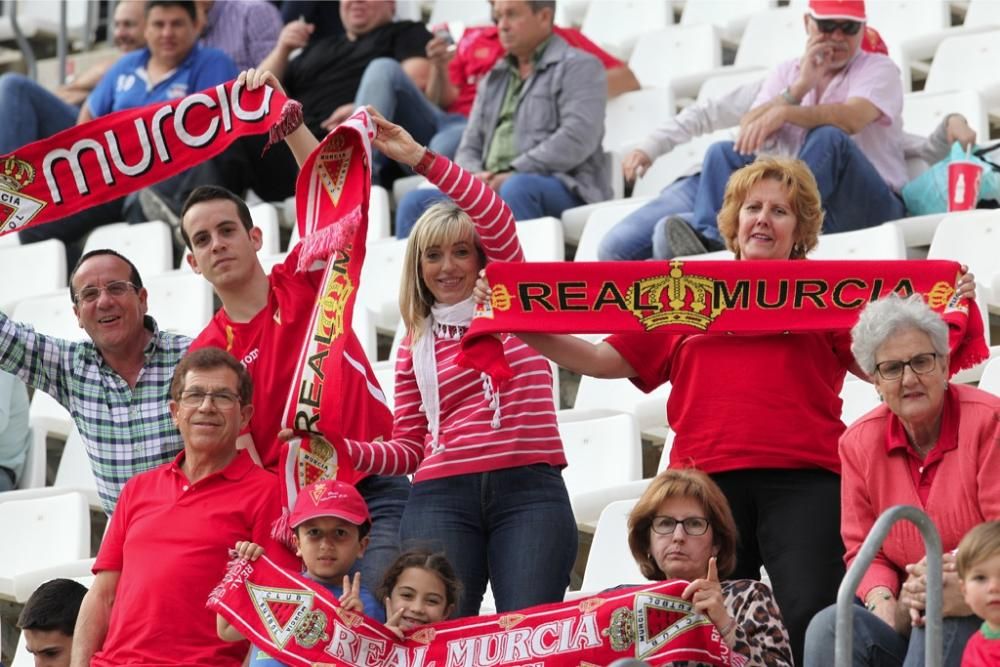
(115, 385)
(838, 108)
(167, 545)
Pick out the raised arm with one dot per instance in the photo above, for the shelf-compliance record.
(39, 361)
(493, 219)
(302, 142)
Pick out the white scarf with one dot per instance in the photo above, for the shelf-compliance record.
(449, 323)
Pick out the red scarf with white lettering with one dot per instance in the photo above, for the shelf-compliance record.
(717, 297)
(128, 150)
(299, 623)
(333, 393)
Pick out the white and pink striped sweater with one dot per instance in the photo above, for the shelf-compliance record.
(527, 432)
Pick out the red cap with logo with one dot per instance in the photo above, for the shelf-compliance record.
(847, 10)
(329, 498)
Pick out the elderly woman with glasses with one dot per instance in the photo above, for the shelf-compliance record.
(682, 528)
(931, 444)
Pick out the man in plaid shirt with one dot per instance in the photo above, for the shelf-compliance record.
(116, 385)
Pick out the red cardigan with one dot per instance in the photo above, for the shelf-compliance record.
(965, 490)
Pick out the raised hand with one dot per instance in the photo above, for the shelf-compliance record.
(394, 142)
(707, 598)
(253, 79)
(392, 619)
(350, 598)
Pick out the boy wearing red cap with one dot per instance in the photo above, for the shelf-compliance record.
(330, 522)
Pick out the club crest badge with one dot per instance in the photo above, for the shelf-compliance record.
(332, 165)
(16, 208)
(286, 613)
(661, 618)
(316, 462)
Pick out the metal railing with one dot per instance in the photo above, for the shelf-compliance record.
(935, 593)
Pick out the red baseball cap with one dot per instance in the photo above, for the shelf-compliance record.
(848, 10)
(329, 498)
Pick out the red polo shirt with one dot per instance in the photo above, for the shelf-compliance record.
(923, 471)
(480, 48)
(170, 540)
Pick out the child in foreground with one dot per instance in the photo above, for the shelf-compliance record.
(418, 589)
(979, 570)
(330, 524)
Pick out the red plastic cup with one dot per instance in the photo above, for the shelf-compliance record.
(963, 185)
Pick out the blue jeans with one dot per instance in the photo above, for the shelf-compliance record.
(528, 196)
(446, 141)
(642, 234)
(30, 113)
(853, 193)
(386, 498)
(878, 645)
(513, 527)
(385, 86)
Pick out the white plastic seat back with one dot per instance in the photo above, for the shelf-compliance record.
(616, 26)
(265, 218)
(50, 314)
(31, 270)
(49, 419)
(660, 55)
(771, 37)
(463, 11)
(600, 222)
(633, 116)
(859, 398)
(982, 13)
(677, 163)
(924, 111)
(900, 20)
(649, 410)
(148, 245)
(74, 470)
(965, 62)
(602, 449)
(718, 87)
(542, 239)
(610, 562)
(380, 279)
(880, 242)
(973, 238)
(180, 302)
(729, 16)
(990, 380)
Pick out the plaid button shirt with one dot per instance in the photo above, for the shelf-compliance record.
(126, 430)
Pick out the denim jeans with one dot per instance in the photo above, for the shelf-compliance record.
(513, 527)
(528, 196)
(386, 498)
(877, 645)
(30, 113)
(385, 86)
(853, 193)
(447, 139)
(642, 234)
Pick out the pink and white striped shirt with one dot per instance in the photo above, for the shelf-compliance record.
(527, 432)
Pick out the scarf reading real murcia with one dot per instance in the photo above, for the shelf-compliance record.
(300, 623)
(126, 151)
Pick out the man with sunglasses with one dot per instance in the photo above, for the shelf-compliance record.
(115, 385)
(838, 108)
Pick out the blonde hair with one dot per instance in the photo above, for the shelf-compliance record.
(803, 194)
(690, 483)
(979, 544)
(440, 225)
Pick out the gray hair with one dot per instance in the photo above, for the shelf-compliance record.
(882, 319)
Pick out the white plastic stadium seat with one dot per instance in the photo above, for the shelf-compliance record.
(924, 111)
(463, 11)
(600, 222)
(610, 562)
(729, 16)
(541, 239)
(148, 245)
(180, 302)
(617, 25)
(899, 21)
(602, 449)
(633, 116)
(966, 62)
(660, 55)
(649, 410)
(990, 380)
(31, 270)
(973, 238)
(879, 242)
(40, 533)
(859, 398)
(265, 218)
(50, 314)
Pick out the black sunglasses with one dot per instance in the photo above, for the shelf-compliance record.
(827, 26)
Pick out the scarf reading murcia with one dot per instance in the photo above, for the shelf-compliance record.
(331, 200)
(727, 297)
(299, 622)
(126, 151)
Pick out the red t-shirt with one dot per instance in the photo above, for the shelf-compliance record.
(170, 541)
(268, 347)
(480, 48)
(739, 402)
(981, 651)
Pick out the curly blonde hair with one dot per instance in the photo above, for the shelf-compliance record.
(803, 194)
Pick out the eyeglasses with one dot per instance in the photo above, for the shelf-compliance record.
(116, 289)
(693, 525)
(826, 26)
(220, 399)
(920, 364)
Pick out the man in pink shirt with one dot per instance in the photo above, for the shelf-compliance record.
(838, 108)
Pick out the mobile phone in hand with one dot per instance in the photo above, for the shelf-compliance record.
(441, 30)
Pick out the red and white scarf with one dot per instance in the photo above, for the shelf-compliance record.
(728, 297)
(298, 622)
(128, 150)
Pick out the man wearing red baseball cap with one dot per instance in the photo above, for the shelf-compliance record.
(838, 108)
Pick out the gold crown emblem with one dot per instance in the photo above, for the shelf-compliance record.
(940, 295)
(621, 629)
(674, 299)
(16, 174)
(311, 629)
(500, 297)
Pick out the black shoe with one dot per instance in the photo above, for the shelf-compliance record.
(684, 240)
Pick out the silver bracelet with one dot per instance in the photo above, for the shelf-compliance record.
(786, 94)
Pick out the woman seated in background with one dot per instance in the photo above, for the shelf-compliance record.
(682, 528)
(931, 444)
